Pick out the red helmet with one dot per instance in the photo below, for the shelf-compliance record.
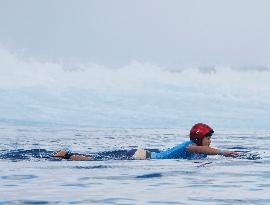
(199, 131)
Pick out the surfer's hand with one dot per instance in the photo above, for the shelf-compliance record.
(230, 153)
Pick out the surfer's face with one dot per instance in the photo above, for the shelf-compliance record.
(206, 141)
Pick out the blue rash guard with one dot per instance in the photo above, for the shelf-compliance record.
(178, 152)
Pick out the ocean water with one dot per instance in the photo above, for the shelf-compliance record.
(90, 108)
(29, 175)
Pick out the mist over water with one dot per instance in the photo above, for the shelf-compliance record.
(139, 94)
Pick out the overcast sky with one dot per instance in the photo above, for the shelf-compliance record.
(168, 32)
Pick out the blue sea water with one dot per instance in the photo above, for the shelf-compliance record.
(28, 175)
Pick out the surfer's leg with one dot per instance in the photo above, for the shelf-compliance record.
(66, 155)
(80, 158)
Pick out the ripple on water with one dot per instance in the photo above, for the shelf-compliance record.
(28, 202)
(76, 185)
(92, 167)
(164, 202)
(124, 201)
(148, 176)
(19, 177)
(231, 201)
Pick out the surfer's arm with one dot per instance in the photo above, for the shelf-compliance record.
(209, 150)
(65, 155)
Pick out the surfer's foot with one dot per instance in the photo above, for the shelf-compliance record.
(61, 153)
(65, 155)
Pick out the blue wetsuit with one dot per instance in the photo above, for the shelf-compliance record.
(177, 152)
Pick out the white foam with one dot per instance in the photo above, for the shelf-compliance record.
(137, 94)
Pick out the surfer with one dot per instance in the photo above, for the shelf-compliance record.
(198, 147)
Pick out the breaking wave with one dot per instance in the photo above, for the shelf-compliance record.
(136, 95)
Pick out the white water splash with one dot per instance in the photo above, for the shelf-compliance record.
(135, 95)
